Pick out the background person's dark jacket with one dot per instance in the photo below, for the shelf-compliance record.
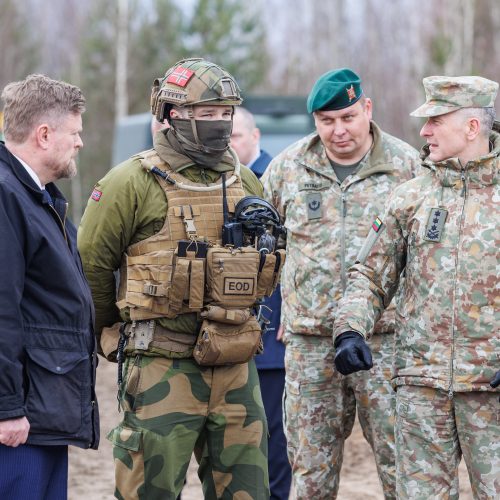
(273, 356)
(47, 347)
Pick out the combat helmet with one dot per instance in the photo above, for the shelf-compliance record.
(193, 81)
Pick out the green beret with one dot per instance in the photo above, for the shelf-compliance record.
(334, 90)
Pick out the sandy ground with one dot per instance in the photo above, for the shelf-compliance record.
(91, 475)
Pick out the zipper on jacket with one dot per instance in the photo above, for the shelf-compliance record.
(343, 212)
(62, 221)
(463, 194)
(92, 404)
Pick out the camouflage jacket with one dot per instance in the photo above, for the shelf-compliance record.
(442, 229)
(327, 222)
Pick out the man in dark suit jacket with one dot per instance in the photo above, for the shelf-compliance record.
(245, 140)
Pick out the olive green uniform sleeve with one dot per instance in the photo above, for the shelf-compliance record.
(106, 230)
(251, 184)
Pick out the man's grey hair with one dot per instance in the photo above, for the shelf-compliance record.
(248, 118)
(35, 100)
(486, 117)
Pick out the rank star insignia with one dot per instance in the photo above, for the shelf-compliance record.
(435, 224)
(351, 93)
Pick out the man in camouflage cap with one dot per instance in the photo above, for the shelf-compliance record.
(328, 186)
(155, 217)
(441, 231)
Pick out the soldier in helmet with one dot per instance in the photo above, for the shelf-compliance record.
(441, 231)
(158, 218)
(327, 185)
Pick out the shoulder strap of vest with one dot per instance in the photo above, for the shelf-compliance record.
(168, 179)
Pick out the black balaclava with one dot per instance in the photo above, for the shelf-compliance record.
(204, 141)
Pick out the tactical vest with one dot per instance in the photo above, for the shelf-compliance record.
(154, 281)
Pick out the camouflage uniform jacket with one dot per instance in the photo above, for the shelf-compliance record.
(327, 222)
(130, 207)
(447, 327)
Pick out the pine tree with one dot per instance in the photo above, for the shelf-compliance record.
(230, 33)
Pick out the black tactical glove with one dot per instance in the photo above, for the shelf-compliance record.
(495, 382)
(352, 353)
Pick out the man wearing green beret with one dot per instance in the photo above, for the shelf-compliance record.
(329, 186)
(441, 231)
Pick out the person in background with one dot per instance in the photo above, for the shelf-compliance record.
(442, 232)
(47, 345)
(156, 125)
(327, 187)
(245, 140)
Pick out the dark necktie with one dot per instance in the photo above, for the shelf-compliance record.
(47, 198)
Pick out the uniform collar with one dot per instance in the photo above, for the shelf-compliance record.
(24, 177)
(481, 171)
(30, 171)
(374, 162)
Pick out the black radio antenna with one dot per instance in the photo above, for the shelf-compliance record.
(225, 210)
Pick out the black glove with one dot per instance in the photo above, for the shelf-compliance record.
(495, 382)
(352, 353)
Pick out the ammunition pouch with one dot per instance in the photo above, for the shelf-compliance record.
(269, 272)
(162, 285)
(227, 344)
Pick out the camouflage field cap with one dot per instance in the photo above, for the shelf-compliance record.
(193, 81)
(336, 89)
(444, 94)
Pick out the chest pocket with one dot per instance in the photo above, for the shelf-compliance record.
(311, 202)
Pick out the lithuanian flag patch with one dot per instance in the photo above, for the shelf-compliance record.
(377, 224)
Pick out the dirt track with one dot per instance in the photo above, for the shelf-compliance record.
(92, 476)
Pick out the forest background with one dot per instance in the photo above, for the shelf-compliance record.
(113, 49)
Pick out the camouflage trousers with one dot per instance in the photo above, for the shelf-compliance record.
(433, 432)
(173, 407)
(320, 408)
